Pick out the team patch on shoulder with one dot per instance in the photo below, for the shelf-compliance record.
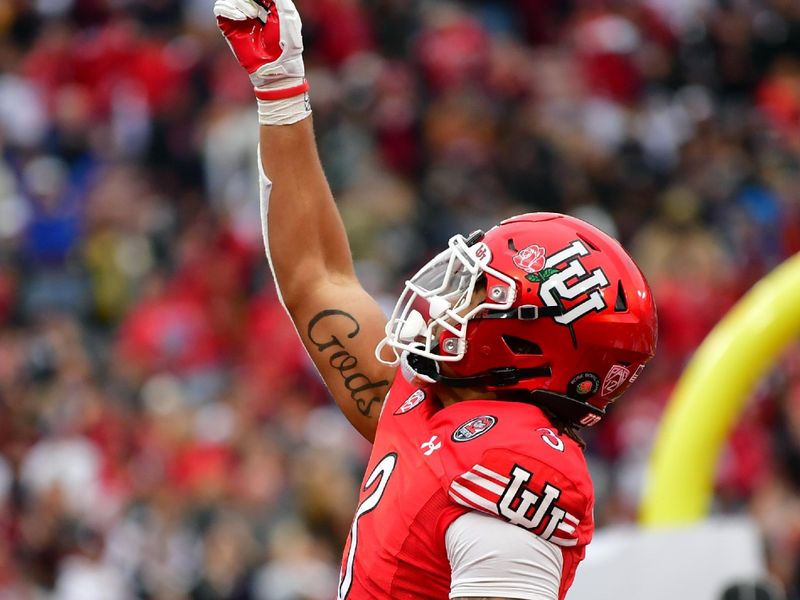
(411, 402)
(473, 428)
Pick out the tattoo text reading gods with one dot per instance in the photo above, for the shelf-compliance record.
(363, 391)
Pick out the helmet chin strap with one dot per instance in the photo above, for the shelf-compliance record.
(525, 312)
(415, 366)
(572, 410)
(427, 369)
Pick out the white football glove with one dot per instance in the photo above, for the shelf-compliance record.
(265, 36)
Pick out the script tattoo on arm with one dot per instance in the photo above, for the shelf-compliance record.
(363, 391)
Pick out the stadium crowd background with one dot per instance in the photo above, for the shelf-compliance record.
(162, 434)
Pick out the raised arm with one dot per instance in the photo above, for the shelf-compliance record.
(305, 240)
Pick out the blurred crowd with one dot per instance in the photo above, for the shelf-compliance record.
(162, 434)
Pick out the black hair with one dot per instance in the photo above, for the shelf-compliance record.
(564, 427)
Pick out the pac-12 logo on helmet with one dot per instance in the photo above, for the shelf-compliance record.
(617, 375)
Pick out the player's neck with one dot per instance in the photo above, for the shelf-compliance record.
(450, 395)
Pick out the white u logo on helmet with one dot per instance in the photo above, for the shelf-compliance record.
(556, 286)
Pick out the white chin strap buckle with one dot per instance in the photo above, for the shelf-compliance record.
(410, 373)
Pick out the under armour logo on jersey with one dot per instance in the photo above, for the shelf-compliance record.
(431, 446)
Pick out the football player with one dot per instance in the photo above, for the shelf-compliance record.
(498, 350)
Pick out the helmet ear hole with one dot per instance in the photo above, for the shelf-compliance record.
(621, 305)
(522, 346)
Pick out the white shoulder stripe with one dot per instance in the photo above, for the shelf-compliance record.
(458, 492)
(491, 474)
(564, 541)
(572, 518)
(484, 483)
(566, 527)
(569, 524)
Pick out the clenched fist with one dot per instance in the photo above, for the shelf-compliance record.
(265, 36)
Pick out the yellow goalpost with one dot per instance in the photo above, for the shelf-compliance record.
(712, 393)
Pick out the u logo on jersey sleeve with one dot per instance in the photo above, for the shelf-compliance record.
(511, 497)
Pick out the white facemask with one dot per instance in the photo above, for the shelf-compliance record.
(448, 284)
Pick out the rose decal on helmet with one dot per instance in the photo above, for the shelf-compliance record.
(532, 260)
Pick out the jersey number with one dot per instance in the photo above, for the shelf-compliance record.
(550, 438)
(381, 473)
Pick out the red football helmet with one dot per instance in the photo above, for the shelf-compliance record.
(543, 302)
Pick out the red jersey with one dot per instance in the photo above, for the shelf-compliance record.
(430, 465)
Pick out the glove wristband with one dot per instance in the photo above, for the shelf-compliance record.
(281, 93)
(283, 105)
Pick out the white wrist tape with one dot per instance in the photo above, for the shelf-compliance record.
(284, 112)
(284, 102)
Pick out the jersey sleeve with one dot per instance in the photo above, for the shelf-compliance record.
(545, 497)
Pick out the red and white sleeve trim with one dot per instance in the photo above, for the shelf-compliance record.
(479, 489)
(482, 489)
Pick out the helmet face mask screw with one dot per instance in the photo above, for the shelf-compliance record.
(450, 345)
(498, 293)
